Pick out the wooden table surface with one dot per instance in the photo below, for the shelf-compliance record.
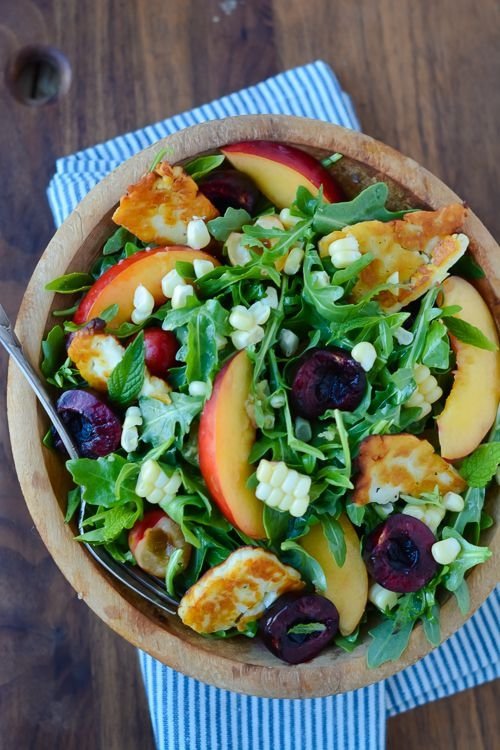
(424, 78)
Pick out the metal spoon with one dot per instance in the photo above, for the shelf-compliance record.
(145, 586)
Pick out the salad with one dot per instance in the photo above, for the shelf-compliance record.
(274, 394)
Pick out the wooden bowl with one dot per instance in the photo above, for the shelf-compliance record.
(239, 664)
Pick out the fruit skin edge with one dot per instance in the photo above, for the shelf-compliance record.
(469, 411)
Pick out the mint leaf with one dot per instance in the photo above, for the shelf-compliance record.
(97, 478)
(436, 351)
(368, 205)
(469, 556)
(468, 333)
(479, 468)
(53, 350)
(126, 380)
(111, 523)
(232, 221)
(117, 241)
(202, 165)
(164, 422)
(356, 513)
(70, 283)
(335, 537)
(308, 567)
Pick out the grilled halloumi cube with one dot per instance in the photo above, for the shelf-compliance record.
(237, 591)
(420, 248)
(159, 207)
(391, 464)
(95, 355)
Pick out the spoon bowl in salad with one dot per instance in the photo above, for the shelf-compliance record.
(244, 664)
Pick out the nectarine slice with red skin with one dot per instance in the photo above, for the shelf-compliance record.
(118, 284)
(346, 586)
(225, 439)
(278, 170)
(471, 406)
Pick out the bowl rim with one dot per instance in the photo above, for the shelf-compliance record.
(157, 635)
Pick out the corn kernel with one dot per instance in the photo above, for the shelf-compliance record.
(288, 219)
(242, 339)
(198, 235)
(270, 221)
(155, 485)
(446, 551)
(181, 295)
(260, 311)
(364, 353)
(202, 267)
(242, 319)
(344, 252)
(271, 297)
(283, 488)
(199, 388)
(393, 278)
(454, 502)
(288, 342)
(382, 598)
(420, 373)
(238, 254)
(293, 261)
(130, 436)
(170, 281)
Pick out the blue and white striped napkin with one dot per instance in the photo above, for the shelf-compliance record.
(187, 714)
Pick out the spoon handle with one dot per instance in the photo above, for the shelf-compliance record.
(11, 343)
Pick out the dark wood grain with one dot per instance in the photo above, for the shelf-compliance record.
(424, 79)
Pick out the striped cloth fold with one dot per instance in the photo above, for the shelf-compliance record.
(187, 714)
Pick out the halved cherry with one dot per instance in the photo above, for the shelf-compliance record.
(154, 539)
(160, 349)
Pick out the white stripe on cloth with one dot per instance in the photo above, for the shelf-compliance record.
(187, 714)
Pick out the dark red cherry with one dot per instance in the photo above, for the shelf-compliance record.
(327, 379)
(160, 348)
(296, 627)
(398, 554)
(228, 188)
(95, 429)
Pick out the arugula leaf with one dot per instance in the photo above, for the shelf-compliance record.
(468, 333)
(164, 422)
(70, 283)
(159, 157)
(348, 642)
(224, 277)
(335, 537)
(356, 513)
(368, 205)
(479, 468)
(309, 568)
(232, 221)
(462, 597)
(66, 312)
(431, 625)
(53, 349)
(117, 241)
(97, 478)
(202, 165)
(66, 375)
(74, 498)
(201, 356)
(126, 380)
(176, 564)
(469, 556)
(109, 313)
(276, 524)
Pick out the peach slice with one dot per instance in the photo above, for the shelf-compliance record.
(278, 170)
(471, 406)
(118, 284)
(347, 586)
(225, 439)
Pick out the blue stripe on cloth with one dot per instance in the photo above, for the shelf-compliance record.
(186, 714)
